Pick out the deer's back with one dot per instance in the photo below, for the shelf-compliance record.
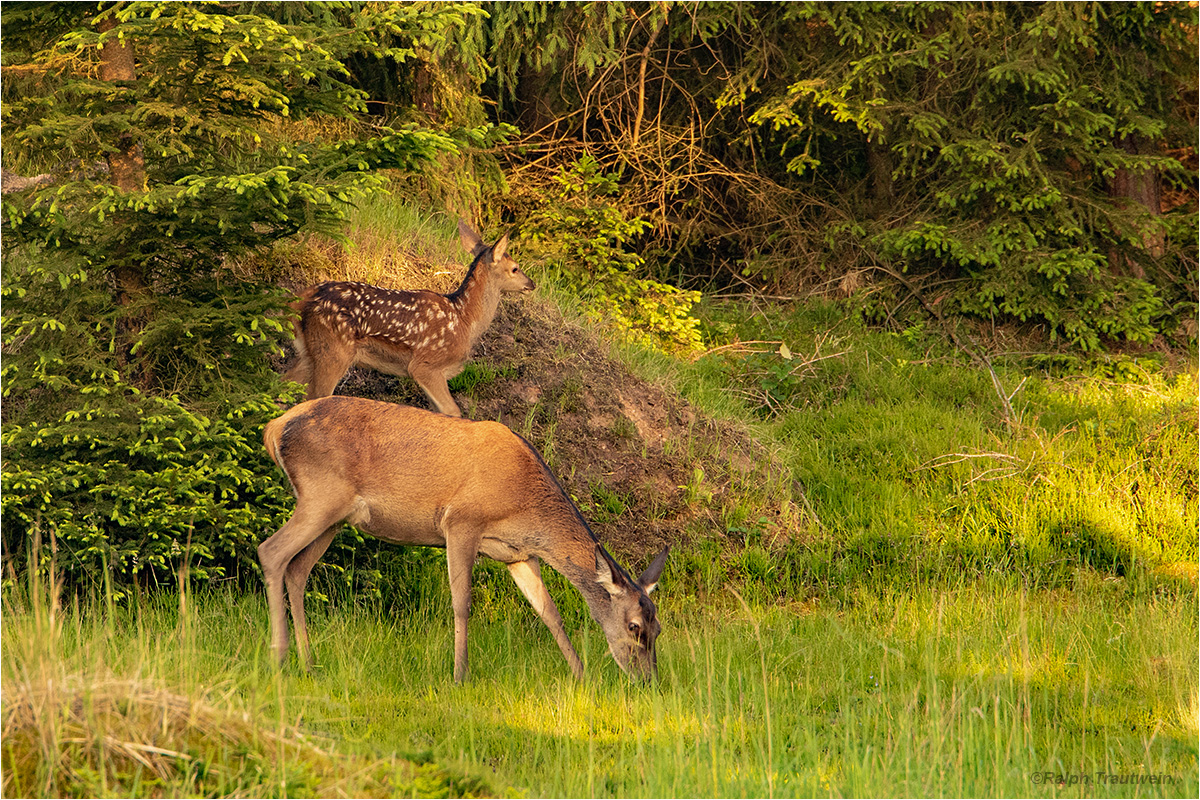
(362, 311)
(405, 468)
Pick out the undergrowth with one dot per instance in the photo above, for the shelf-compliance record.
(913, 472)
(102, 699)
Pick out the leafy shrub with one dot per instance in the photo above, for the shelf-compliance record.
(582, 231)
(1012, 156)
(112, 476)
(138, 490)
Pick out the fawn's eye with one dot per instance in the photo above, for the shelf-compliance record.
(634, 627)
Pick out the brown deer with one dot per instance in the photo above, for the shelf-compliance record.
(411, 476)
(425, 334)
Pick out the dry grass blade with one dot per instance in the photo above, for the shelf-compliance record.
(79, 736)
(1012, 465)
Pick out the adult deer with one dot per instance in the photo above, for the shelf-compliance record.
(424, 334)
(410, 476)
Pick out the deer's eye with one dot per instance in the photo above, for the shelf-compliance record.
(634, 627)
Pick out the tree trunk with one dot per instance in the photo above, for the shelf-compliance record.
(879, 165)
(423, 89)
(1141, 189)
(126, 166)
(533, 100)
(127, 171)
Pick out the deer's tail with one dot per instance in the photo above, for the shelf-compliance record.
(272, 437)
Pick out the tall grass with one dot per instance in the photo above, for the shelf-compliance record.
(981, 689)
(906, 458)
(152, 699)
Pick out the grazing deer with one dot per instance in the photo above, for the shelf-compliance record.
(410, 476)
(425, 334)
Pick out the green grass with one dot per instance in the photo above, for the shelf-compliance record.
(954, 605)
(905, 456)
(978, 689)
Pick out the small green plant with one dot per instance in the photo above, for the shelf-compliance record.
(585, 235)
(477, 375)
(608, 504)
(623, 427)
(696, 491)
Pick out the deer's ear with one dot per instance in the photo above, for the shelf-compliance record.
(649, 578)
(613, 583)
(470, 239)
(500, 248)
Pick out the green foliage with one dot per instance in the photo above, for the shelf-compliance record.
(1002, 136)
(1023, 161)
(584, 36)
(133, 485)
(120, 480)
(139, 363)
(585, 234)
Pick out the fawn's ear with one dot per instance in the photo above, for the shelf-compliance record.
(470, 239)
(499, 249)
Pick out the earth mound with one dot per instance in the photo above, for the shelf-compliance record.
(645, 468)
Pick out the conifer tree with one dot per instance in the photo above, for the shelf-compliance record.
(137, 358)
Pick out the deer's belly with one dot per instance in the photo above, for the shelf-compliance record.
(400, 526)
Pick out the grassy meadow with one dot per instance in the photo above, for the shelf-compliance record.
(964, 605)
(976, 689)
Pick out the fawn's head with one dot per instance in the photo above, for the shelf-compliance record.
(497, 261)
(631, 625)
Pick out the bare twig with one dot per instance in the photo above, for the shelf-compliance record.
(1010, 417)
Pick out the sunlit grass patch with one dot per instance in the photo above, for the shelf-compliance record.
(386, 244)
(159, 701)
(967, 690)
(913, 471)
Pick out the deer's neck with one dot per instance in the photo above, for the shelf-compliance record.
(565, 542)
(476, 300)
(575, 559)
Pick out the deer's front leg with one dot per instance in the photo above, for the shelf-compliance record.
(528, 577)
(461, 548)
(433, 382)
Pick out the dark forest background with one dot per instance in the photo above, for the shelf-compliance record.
(1012, 164)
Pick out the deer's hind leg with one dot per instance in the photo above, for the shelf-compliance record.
(296, 578)
(331, 352)
(301, 369)
(275, 554)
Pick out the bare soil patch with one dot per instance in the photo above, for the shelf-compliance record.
(645, 468)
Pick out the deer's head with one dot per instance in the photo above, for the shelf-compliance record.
(496, 259)
(631, 624)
